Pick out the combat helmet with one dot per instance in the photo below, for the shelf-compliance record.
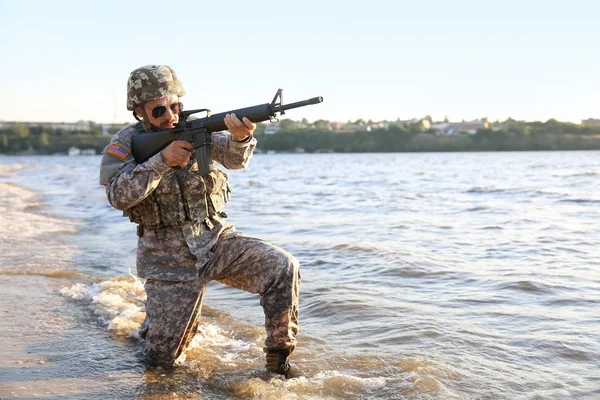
(152, 82)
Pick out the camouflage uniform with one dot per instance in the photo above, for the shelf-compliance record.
(185, 242)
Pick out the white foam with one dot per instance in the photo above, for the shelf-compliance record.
(367, 383)
(118, 301)
(120, 304)
(217, 337)
(78, 291)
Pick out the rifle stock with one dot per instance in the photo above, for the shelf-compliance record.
(198, 131)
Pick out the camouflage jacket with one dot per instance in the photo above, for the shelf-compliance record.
(179, 212)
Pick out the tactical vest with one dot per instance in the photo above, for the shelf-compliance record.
(181, 196)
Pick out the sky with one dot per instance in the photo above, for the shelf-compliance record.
(531, 60)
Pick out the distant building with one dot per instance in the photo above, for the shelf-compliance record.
(105, 129)
(377, 125)
(338, 125)
(591, 122)
(271, 129)
(453, 128)
(425, 122)
(350, 128)
(75, 151)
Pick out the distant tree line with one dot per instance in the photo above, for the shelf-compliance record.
(43, 139)
(510, 135)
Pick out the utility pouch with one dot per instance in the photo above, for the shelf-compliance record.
(221, 191)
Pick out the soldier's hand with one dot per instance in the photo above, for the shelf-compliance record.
(178, 153)
(240, 129)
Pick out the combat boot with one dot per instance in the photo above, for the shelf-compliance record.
(278, 360)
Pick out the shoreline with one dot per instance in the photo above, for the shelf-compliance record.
(34, 267)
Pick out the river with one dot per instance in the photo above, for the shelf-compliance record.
(424, 276)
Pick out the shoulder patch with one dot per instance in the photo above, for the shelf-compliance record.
(118, 151)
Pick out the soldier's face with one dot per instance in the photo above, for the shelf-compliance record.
(164, 112)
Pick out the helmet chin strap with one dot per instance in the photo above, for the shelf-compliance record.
(147, 125)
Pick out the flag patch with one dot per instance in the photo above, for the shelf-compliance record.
(118, 151)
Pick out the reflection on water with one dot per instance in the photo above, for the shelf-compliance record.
(424, 276)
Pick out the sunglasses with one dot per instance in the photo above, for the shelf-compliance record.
(159, 111)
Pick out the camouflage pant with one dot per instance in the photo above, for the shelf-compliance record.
(239, 261)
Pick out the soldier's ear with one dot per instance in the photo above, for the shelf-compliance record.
(138, 112)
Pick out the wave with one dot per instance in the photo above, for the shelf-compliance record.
(413, 272)
(579, 174)
(17, 219)
(54, 273)
(118, 301)
(530, 286)
(30, 241)
(475, 209)
(579, 200)
(354, 248)
(256, 183)
(387, 379)
(494, 190)
(12, 168)
(488, 189)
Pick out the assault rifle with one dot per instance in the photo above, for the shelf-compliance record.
(198, 131)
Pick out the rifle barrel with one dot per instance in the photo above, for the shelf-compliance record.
(314, 100)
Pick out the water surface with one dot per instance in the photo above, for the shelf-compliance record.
(424, 276)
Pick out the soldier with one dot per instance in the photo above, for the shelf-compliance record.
(184, 240)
